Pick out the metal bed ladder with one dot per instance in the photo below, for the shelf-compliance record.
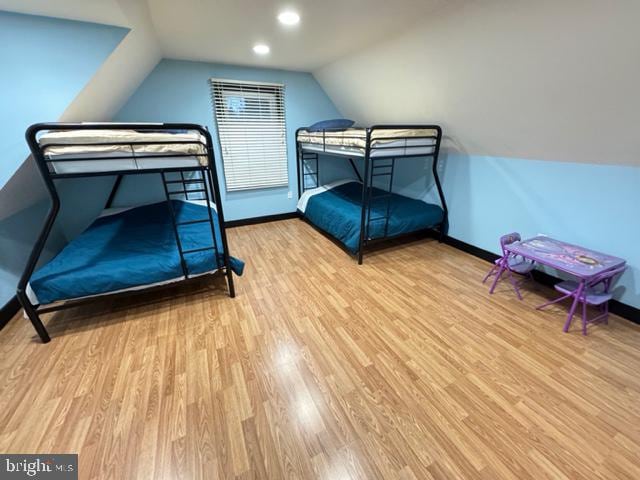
(201, 190)
(383, 168)
(306, 158)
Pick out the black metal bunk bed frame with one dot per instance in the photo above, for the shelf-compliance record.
(372, 170)
(207, 180)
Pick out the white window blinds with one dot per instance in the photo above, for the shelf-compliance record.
(252, 131)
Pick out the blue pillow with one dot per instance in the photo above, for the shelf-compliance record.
(335, 124)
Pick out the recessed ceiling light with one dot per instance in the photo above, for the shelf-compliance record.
(261, 49)
(289, 17)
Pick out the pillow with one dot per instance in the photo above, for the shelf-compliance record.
(335, 124)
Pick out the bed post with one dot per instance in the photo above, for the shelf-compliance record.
(365, 197)
(445, 218)
(298, 166)
(29, 308)
(213, 182)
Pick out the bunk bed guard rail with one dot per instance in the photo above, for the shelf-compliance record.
(379, 143)
(142, 153)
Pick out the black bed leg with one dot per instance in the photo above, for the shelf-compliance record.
(360, 257)
(232, 289)
(444, 227)
(35, 321)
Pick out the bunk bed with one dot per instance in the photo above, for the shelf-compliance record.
(135, 248)
(360, 213)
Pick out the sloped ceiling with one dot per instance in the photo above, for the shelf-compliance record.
(98, 11)
(542, 80)
(510, 78)
(221, 31)
(124, 70)
(106, 91)
(46, 62)
(126, 67)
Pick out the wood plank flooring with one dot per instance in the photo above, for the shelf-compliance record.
(402, 368)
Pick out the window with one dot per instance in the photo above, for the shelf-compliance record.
(252, 133)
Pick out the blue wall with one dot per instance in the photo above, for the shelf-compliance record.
(595, 206)
(45, 62)
(178, 91)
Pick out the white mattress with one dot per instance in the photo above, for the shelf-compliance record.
(75, 144)
(384, 142)
(33, 298)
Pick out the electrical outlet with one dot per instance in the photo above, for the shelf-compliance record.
(289, 195)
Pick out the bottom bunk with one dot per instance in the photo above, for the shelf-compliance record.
(132, 249)
(336, 209)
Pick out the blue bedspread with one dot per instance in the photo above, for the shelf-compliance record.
(337, 211)
(129, 249)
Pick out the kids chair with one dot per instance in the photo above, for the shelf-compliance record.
(510, 263)
(595, 292)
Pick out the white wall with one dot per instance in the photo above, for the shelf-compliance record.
(545, 79)
(123, 72)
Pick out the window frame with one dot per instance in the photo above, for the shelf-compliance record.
(216, 88)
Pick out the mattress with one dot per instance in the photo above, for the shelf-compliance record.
(336, 208)
(128, 250)
(72, 150)
(384, 142)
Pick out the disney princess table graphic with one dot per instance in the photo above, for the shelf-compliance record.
(572, 259)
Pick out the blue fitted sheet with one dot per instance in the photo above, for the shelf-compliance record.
(133, 248)
(337, 211)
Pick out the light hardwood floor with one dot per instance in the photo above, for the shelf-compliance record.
(404, 368)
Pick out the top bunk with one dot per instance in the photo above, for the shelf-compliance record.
(380, 141)
(89, 149)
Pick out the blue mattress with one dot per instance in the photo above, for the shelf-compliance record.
(337, 211)
(133, 248)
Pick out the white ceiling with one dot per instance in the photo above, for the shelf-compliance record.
(226, 30)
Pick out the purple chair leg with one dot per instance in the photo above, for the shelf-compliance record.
(514, 284)
(498, 275)
(584, 317)
(576, 298)
(491, 272)
(604, 314)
